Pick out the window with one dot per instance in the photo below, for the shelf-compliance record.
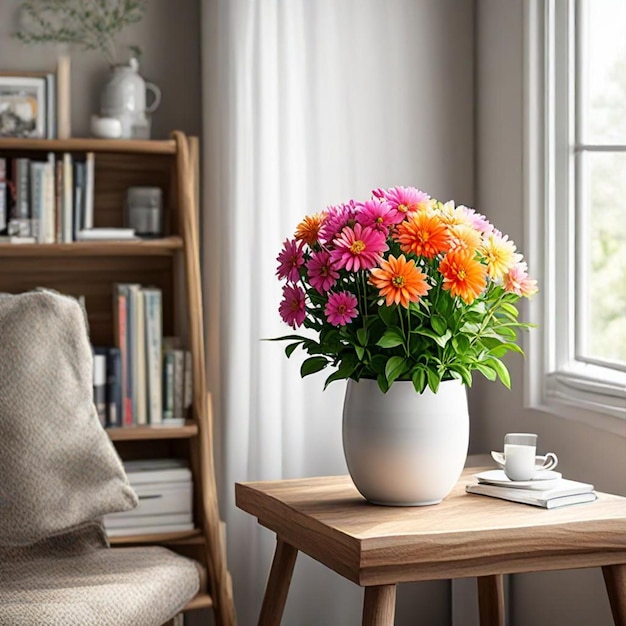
(575, 159)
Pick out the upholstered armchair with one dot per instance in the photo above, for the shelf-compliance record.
(59, 474)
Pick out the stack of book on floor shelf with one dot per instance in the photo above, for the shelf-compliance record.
(548, 491)
(164, 489)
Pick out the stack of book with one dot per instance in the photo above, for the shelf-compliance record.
(164, 489)
(549, 490)
(145, 378)
(50, 201)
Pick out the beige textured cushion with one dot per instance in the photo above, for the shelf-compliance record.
(75, 580)
(58, 468)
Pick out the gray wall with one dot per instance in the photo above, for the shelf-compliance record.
(575, 598)
(169, 37)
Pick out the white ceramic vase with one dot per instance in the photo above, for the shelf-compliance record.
(403, 448)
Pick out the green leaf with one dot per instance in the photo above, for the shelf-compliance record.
(387, 315)
(393, 337)
(361, 336)
(464, 372)
(360, 352)
(503, 348)
(509, 309)
(501, 370)
(461, 344)
(419, 380)
(383, 385)
(487, 372)
(439, 324)
(433, 380)
(312, 365)
(395, 367)
(291, 347)
(378, 362)
(286, 338)
(345, 370)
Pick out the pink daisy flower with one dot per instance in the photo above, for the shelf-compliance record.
(289, 260)
(404, 201)
(291, 308)
(516, 281)
(358, 248)
(322, 274)
(377, 214)
(341, 308)
(476, 220)
(337, 217)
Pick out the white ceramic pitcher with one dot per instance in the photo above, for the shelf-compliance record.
(124, 98)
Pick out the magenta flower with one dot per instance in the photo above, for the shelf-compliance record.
(341, 308)
(337, 217)
(322, 275)
(289, 260)
(403, 201)
(358, 248)
(377, 214)
(291, 308)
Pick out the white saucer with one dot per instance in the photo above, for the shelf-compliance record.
(498, 477)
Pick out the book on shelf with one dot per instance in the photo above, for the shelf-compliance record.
(3, 195)
(168, 470)
(164, 488)
(100, 385)
(153, 344)
(151, 370)
(106, 234)
(50, 198)
(561, 492)
(112, 384)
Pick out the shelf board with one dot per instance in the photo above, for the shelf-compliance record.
(201, 601)
(143, 247)
(136, 146)
(139, 433)
(155, 538)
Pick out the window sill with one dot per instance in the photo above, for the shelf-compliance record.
(580, 394)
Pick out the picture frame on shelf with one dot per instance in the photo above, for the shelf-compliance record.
(27, 105)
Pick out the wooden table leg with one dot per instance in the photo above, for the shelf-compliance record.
(278, 584)
(615, 581)
(491, 600)
(379, 606)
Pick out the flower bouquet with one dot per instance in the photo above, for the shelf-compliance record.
(403, 287)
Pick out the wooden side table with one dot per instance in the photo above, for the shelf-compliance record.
(464, 536)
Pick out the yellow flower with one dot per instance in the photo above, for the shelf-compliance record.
(499, 252)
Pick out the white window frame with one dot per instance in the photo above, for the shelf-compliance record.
(555, 380)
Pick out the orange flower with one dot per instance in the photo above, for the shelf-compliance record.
(463, 275)
(399, 281)
(308, 229)
(464, 237)
(424, 234)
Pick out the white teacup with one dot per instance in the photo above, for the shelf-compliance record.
(519, 460)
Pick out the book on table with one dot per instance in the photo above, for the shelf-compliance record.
(559, 492)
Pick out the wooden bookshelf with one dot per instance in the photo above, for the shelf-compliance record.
(170, 263)
(115, 146)
(166, 246)
(160, 538)
(145, 433)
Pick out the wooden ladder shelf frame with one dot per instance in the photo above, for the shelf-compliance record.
(219, 577)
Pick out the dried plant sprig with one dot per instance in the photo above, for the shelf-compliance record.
(89, 24)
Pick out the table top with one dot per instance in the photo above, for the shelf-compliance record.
(465, 535)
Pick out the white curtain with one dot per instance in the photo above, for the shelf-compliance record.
(308, 103)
